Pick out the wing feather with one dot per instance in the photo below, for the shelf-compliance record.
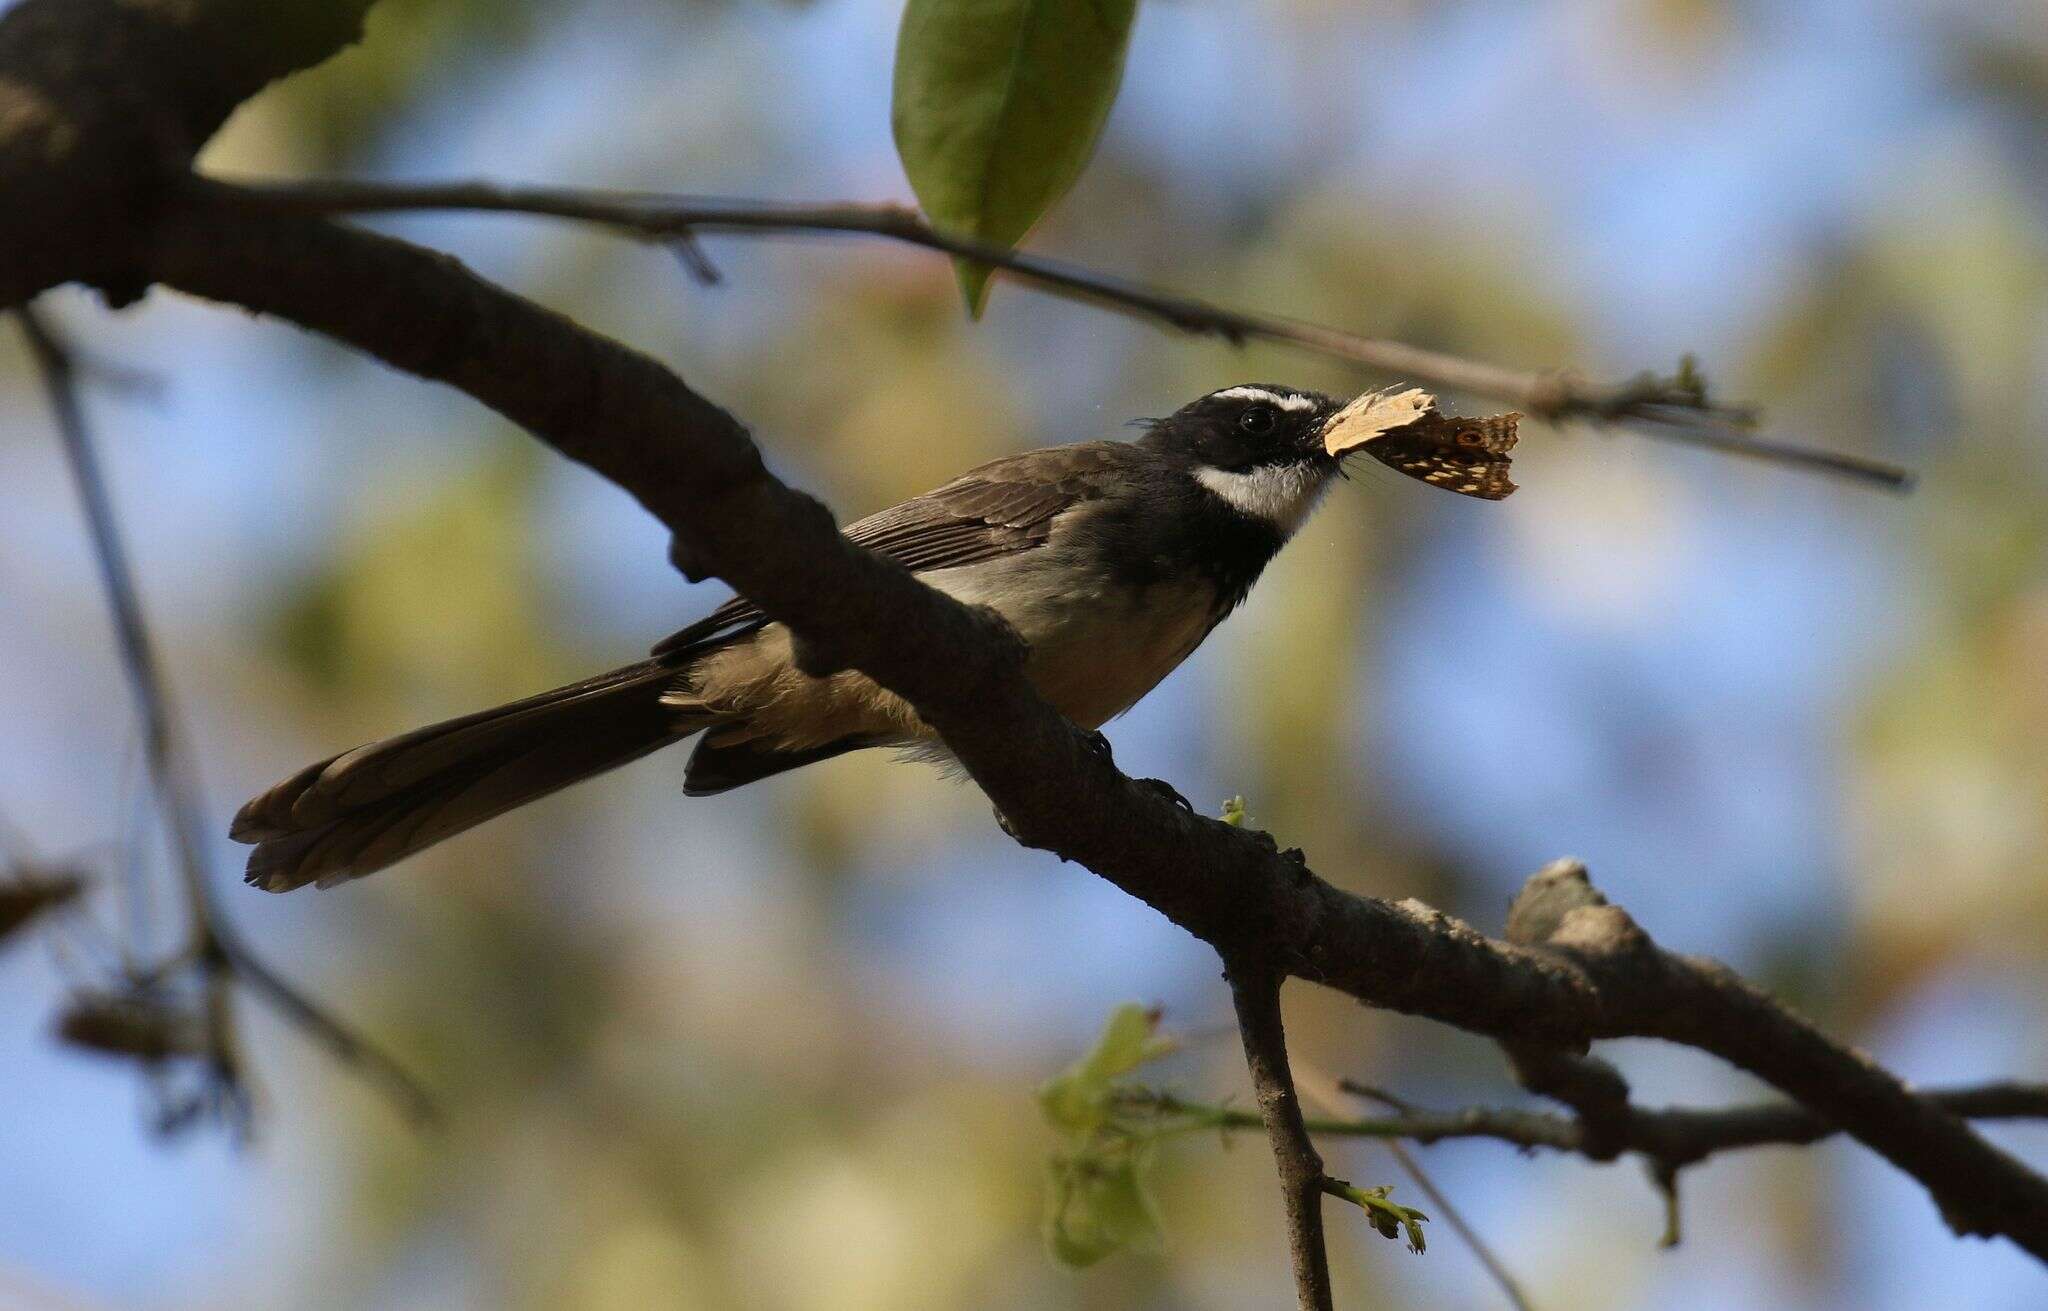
(1000, 508)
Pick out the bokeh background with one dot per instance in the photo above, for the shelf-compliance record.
(777, 1050)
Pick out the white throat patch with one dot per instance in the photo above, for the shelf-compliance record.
(1283, 495)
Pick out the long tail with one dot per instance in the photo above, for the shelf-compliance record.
(355, 813)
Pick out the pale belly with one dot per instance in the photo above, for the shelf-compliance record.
(1096, 647)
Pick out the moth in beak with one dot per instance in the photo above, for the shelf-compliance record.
(1404, 430)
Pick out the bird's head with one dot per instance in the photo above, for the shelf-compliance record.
(1257, 446)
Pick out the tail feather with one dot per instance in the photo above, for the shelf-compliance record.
(368, 808)
(717, 767)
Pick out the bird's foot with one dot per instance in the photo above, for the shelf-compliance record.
(1097, 744)
(1167, 792)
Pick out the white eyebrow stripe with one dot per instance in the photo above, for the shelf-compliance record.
(1292, 404)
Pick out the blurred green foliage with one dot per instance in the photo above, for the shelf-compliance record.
(458, 552)
(1099, 1198)
(1097, 1203)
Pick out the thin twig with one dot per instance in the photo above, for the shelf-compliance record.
(220, 955)
(169, 770)
(1529, 1129)
(1675, 408)
(1373, 1093)
(1664, 1178)
(1681, 1135)
(1440, 1204)
(168, 767)
(376, 1065)
(1668, 1140)
(1594, 1090)
(1256, 994)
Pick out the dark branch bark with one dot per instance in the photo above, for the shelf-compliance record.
(1596, 976)
(103, 104)
(1702, 1003)
(1594, 1090)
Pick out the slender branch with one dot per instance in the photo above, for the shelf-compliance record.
(220, 955)
(1681, 1136)
(1593, 1089)
(1256, 994)
(168, 767)
(342, 1042)
(1441, 1205)
(1675, 408)
(1482, 1251)
(1668, 1140)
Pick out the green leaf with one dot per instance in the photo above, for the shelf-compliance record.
(998, 105)
(1097, 1205)
(1389, 1218)
(1077, 1102)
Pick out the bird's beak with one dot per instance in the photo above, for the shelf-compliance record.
(1371, 414)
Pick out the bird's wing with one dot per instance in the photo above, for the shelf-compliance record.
(1000, 508)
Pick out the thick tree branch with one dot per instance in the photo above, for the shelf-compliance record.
(103, 104)
(1595, 976)
(1675, 408)
(1702, 1003)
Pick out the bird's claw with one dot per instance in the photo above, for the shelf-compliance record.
(1097, 744)
(1168, 792)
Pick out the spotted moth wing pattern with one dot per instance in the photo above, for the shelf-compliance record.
(1466, 456)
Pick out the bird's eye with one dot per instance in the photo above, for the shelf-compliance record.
(1258, 419)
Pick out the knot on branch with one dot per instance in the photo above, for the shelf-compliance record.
(1560, 908)
(1607, 931)
(1595, 1091)
(1551, 892)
